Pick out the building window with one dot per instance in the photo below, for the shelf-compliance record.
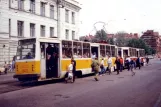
(52, 11)
(21, 4)
(42, 9)
(51, 32)
(42, 31)
(32, 30)
(32, 6)
(20, 27)
(73, 18)
(73, 35)
(67, 16)
(67, 33)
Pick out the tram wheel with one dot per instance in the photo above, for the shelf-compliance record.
(79, 74)
(21, 80)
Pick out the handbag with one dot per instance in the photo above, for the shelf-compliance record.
(70, 75)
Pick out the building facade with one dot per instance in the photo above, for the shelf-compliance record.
(152, 39)
(36, 18)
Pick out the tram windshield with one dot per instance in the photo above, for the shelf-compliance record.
(26, 49)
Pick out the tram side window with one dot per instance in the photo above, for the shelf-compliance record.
(139, 52)
(116, 54)
(102, 50)
(135, 53)
(86, 50)
(113, 51)
(66, 49)
(108, 50)
(125, 53)
(77, 49)
(119, 52)
(26, 50)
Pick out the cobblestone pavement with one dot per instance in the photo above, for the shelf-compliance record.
(141, 90)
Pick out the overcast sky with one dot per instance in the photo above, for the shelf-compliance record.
(140, 15)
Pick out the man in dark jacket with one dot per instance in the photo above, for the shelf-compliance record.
(117, 62)
(74, 69)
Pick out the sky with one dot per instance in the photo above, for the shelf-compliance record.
(131, 16)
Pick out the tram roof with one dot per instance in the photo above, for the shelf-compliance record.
(45, 39)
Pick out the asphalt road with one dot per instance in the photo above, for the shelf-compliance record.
(5, 78)
(141, 90)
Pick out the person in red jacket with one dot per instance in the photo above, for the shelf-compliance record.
(121, 64)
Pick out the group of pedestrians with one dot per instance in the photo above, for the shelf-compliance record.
(99, 68)
(129, 63)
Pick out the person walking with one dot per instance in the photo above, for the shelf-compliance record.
(109, 64)
(5, 67)
(69, 73)
(121, 64)
(128, 60)
(138, 62)
(95, 67)
(117, 62)
(13, 64)
(132, 67)
(147, 60)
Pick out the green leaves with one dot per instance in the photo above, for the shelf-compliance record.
(101, 35)
(139, 43)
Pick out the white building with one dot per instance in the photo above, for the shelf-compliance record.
(36, 18)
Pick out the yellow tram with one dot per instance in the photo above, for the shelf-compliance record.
(32, 57)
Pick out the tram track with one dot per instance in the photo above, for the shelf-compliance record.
(12, 86)
(9, 86)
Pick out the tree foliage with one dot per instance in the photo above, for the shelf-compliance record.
(139, 43)
(111, 41)
(101, 35)
(120, 39)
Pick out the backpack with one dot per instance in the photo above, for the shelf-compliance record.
(131, 62)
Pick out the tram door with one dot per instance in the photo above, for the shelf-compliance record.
(52, 60)
(43, 60)
(119, 52)
(137, 53)
(94, 51)
(49, 60)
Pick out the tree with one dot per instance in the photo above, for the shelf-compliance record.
(139, 43)
(101, 35)
(136, 43)
(111, 41)
(120, 39)
(153, 51)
